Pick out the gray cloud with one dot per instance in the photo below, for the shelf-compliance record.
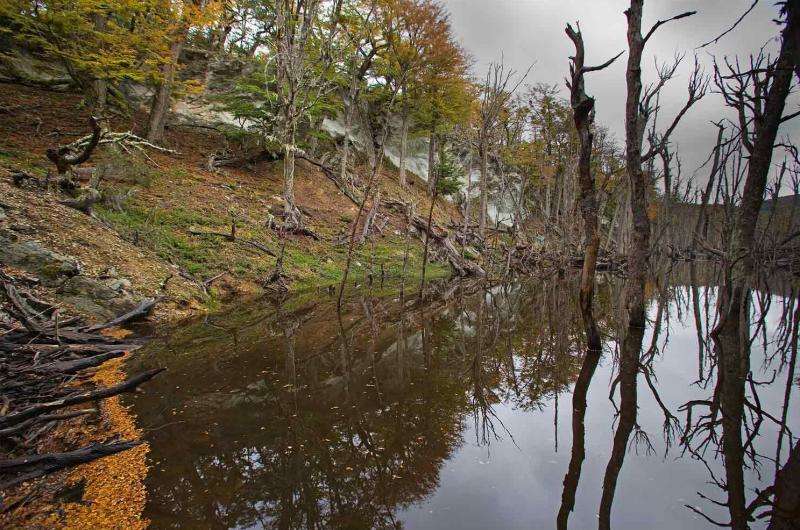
(525, 32)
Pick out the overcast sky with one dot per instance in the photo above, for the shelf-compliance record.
(529, 32)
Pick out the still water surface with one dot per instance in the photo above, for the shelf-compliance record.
(452, 412)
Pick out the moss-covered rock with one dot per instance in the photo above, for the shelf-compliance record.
(50, 267)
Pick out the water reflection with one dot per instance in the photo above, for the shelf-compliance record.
(442, 411)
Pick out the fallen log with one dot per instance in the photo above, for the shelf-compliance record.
(42, 356)
(30, 467)
(142, 310)
(249, 242)
(331, 174)
(84, 397)
(11, 431)
(71, 367)
(441, 238)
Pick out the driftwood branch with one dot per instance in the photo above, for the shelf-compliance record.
(31, 467)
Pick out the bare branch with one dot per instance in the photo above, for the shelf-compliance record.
(738, 21)
(662, 22)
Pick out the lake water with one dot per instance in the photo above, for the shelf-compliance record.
(452, 412)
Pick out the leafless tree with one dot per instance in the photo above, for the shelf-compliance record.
(497, 90)
(583, 116)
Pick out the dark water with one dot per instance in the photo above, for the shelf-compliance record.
(455, 412)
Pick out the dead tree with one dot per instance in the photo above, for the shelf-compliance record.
(759, 95)
(66, 156)
(639, 107)
(583, 116)
(496, 93)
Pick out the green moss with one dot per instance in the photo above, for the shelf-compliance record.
(307, 263)
(34, 164)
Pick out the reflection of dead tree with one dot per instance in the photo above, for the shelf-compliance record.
(639, 107)
(792, 365)
(735, 416)
(578, 438)
(786, 506)
(759, 96)
(628, 370)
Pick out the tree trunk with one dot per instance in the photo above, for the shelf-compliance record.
(484, 153)
(583, 115)
(634, 133)
(786, 514)
(348, 123)
(291, 216)
(715, 167)
(432, 164)
(731, 336)
(766, 131)
(372, 214)
(99, 85)
(403, 148)
(163, 94)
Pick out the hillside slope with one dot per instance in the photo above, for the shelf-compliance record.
(152, 201)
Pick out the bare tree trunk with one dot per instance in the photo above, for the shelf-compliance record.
(372, 214)
(547, 193)
(583, 116)
(427, 237)
(403, 148)
(163, 94)
(766, 131)
(432, 164)
(731, 336)
(467, 201)
(712, 177)
(634, 133)
(637, 265)
(484, 187)
(290, 211)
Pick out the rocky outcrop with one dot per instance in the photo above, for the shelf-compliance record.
(101, 298)
(50, 267)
